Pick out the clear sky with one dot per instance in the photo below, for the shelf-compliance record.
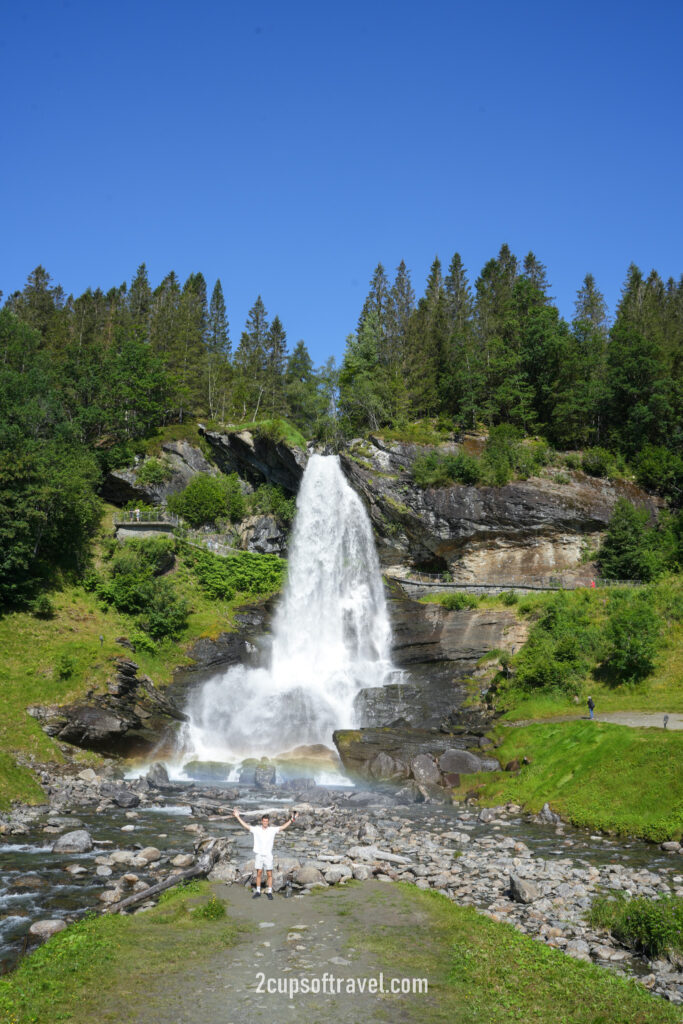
(288, 148)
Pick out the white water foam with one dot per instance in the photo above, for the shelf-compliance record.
(331, 637)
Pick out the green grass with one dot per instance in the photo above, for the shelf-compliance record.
(483, 972)
(651, 926)
(600, 776)
(178, 432)
(33, 649)
(422, 432)
(275, 429)
(102, 969)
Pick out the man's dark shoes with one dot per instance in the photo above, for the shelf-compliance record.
(256, 895)
(269, 895)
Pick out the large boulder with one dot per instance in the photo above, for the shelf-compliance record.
(462, 762)
(133, 718)
(263, 534)
(41, 931)
(425, 771)
(121, 795)
(258, 458)
(78, 841)
(366, 752)
(182, 461)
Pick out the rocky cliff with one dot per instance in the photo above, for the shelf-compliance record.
(183, 461)
(528, 528)
(258, 458)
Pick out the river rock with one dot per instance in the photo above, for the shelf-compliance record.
(41, 931)
(522, 890)
(424, 770)
(121, 796)
(157, 774)
(79, 841)
(338, 873)
(463, 762)
(87, 775)
(183, 860)
(308, 875)
(149, 855)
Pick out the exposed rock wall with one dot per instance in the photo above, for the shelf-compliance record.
(258, 458)
(183, 460)
(526, 529)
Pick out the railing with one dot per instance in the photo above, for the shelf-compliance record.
(437, 581)
(145, 517)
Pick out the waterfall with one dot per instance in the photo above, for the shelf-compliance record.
(330, 637)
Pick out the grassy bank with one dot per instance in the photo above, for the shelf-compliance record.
(53, 661)
(114, 969)
(596, 775)
(481, 971)
(102, 968)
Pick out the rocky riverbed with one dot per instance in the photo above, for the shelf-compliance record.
(101, 839)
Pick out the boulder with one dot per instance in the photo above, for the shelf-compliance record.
(157, 774)
(424, 770)
(338, 873)
(182, 860)
(463, 762)
(79, 841)
(522, 890)
(263, 534)
(41, 931)
(265, 774)
(121, 795)
(308, 875)
(149, 855)
(384, 768)
(208, 771)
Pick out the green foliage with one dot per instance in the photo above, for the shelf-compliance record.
(270, 499)
(209, 498)
(153, 471)
(458, 600)
(437, 470)
(563, 646)
(509, 597)
(42, 607)
(65, 666)
(660, 470)
(211, 911)
(632, 636)
(650, 926)
(597, 462)
(132, 586)
(631, 549)
(246, 573)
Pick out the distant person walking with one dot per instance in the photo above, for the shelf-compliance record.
(264, 837)
(591, 708)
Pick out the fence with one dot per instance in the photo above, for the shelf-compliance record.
(425, 580)
(145, 517)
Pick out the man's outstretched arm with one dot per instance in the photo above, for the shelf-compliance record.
(288, 822)
(236, 814)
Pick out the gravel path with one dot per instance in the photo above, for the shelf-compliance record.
(635, 719)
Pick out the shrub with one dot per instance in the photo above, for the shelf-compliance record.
(65, 665)
(206, 498)
(597, 462)
(458, 600)
(632, 635)
(509, 597)
(165, 612)
(562, 647)
(660, 470)
(651, 926)
(436, 470)
(572, 461)
(246, 573)
(42, 607)
(631, 550)
(153, 471)
(211, 911)
(272, 500)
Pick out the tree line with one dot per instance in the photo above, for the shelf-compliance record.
(84, 380)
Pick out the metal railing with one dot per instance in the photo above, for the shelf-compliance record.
(441, 582)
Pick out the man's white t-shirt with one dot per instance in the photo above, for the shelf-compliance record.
(264, 838)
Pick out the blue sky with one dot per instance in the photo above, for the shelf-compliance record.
(288, 148)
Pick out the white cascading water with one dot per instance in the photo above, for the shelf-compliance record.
(331, 636)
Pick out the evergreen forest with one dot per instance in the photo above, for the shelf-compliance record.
(86, 381)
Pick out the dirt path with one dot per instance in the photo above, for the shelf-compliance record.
(289, 942)
(635, 719)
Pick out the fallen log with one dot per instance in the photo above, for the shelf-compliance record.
(202, 867)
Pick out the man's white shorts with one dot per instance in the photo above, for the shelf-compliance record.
(263, 860)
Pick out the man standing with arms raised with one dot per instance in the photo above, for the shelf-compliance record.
(264, 837)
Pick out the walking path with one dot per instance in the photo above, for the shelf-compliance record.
(635, 719)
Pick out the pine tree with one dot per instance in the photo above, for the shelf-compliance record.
(536, 273)
(250, 361)
(428, 346)
(276, 355)
(140, 302)
(378, 301)
(217, 353)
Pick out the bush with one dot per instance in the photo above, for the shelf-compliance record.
(207, 498)
(509, 597)
(42, 607)
(631, 550)
(165, 612)
(272, 500)
(562, 647)
(458, 600)
(436, 470)
(658, 469)
(153, 471)
(632, 635)
(597, 462)
(65, 665)
(651, 926)
(246, 573)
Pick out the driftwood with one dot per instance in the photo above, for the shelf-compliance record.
(202, 867)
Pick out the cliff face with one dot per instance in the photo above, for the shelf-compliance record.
(258, 458)
(184, 461)
(526, 529)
